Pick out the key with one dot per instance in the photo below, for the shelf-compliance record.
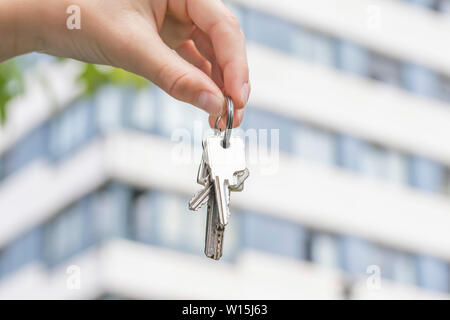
(202, 174)
(201, 197)
(223, 164)
(214, 230)
(241, 176)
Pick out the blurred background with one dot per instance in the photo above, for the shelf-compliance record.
(93, 207)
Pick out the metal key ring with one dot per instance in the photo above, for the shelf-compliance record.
(229, 125)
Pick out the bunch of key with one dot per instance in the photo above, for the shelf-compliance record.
(222, 170)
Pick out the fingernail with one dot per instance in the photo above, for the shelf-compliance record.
(244, 93)
(240, 116)
(211, 103)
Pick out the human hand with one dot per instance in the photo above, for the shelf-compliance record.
(140, 36)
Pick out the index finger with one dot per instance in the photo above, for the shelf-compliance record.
(228, 40)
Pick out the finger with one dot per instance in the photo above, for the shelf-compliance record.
(237, 119)
(204, 45)
(189, 52)
(183, 81)
(228, 42)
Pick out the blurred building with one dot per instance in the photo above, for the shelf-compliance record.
(93, 206)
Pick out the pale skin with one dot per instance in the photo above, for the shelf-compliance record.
(193, 49)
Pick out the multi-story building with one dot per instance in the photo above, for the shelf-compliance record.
(360, 93)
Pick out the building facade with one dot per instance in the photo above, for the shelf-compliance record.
(94, 206)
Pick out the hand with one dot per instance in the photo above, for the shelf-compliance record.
(193, 49)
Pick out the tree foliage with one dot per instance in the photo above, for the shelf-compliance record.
(92, 78)
(11, 85)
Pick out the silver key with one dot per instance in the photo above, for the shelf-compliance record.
(241, 176)
(214, 230)
(203, 175)
(201, 197)
(223, 164)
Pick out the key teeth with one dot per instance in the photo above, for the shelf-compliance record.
(200, 205)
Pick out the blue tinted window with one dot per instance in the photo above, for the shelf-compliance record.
(109, 108)
(357, 255)
(433, 273)
(421, 80)
(110, 208)
(444, 6)
(26, 150)
(445, 89)
(141, 112)
(144, 227)
(314, 144)
(426, 174)
(2, 168)
(25, 249)
(352, 58)
(72, 128)
(423, 3)
(324, 249)
(269, 31)
(68, 233)
(397, 168)
(275, 236)
(349, 152)
(374, 162)
(313, 46)
(256, 119)
(385, 69)
(174, 116)
(394, 265)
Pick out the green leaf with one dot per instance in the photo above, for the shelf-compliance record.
(11, 85)
(94, 76)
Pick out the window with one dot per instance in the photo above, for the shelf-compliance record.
(352, 58)
(143, 221)
(265, 233)
(23, 250)
(269, 31)
(397, 168)
(324, 249)
(404, 269)
(374, 162)
(68, 233)
(2, 168)
(110, 208)
(314, 144)
(71, 129)
(426, 174)
(421, 81)
(433, 273)
(109, 103)
(447, 182)
(385, 69)
(257, 119)
(313, 46)
(141, 112)
(165, 220)
(350, 152)
(424, 3)
(445, 89)
(396, 266)
(357, 255)
(444, 6)
(174, 115)
(31, 147)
